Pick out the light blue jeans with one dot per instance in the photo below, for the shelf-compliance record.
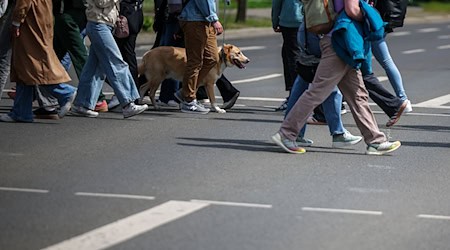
(381, 52)
(331, 106)
(104, 60)
(5, 48)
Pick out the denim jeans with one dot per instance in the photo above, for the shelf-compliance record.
(331, 106)
(381, 52)
(23, 103)
(104, 60)
(5, 48)
(54, 94)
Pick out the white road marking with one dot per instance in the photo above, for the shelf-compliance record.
(252, 48)
(267, 99)
(129, 227)
(413, 51)
(126, 196)
(238, 204)
(380, 167)
(368, 190)
(11, 154)
(345, 211)
(438, 101)
(382, 78)
(27, 190)
(428, 30)
(444, 46)
(444, 37)
(254, 79)
(400, 33)
(436, 217)
(144, 47)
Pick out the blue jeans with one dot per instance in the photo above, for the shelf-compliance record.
(23, 103)
(54, 94)
(104, 60)
(331, 106)
(381, 52)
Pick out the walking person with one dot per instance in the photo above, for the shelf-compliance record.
(200, 25)
(32, 29)
(105, 60)
(334, 71)
(5, 41)
(286, 19)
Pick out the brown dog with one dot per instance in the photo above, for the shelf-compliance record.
(170, 62)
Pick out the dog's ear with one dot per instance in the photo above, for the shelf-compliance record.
(227, 48)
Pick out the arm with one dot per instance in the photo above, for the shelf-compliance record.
(276, 9)
(208, 9)
(353, 10)
(19, 14)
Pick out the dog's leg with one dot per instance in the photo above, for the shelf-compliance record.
(212, 98)
(154, 87)
(142, 91)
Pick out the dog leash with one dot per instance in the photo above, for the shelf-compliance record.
(227, 2)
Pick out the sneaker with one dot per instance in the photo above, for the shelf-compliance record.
(286, 144)
(101, 106)
(343, 109)
(283, 106)
(304, 142)
(133, 109)
(82, 111)
(170, 103)
(231, 102)
(408, 108)
(42, 113)
(146, 100)
(394, 119)
(179, 96)
(194, 108)
(66, 106)
(6, 118)
(113, 103)
(382, 148)
(345, 139)
(313, 121)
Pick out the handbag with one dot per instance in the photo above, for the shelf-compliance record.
(122, 30)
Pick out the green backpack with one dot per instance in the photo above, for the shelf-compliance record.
(319, 15)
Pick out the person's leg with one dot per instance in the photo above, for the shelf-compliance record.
(5, 49)
(210, 55)
(332, 112)
(226, 89)
(352, 87)
(111, 62)
(168, 88)
(62, 92)
(23, 103)
(381, 52)
(290, 52)
(381, 96)
(298, 88)
(127, 49)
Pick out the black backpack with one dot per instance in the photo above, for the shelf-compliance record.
(393, 12)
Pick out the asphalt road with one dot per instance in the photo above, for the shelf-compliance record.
(169, 180)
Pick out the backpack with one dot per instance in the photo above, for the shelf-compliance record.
(319, 15)
(392, 11)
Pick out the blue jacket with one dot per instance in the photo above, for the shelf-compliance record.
(199, 10)
(351, 39)
(286, 13)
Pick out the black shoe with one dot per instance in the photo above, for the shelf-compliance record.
(42, 113)
(230, 103)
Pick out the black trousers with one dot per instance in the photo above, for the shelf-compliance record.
(227, 90)
(290, 53)
(389, 103)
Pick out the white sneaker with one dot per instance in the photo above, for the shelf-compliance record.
(304, 142)
(6, 118)
(146, 100)
(82, 111)
(345, 139)
(170, 103)
(382, 148)
(113, 103)
(133, 109)
(194, 108)
(408, 108)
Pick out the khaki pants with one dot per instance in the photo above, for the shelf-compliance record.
(331, 71)
(202, 54)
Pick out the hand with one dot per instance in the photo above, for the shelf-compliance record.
(277, 29)
(15, 31)
(218, 27)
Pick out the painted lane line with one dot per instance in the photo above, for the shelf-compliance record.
(11, 154)
(381, 166)
(267, 99)
(438, 101)
(260, 78)
(382, 78)
(248, 48)
(436, 217)
(444, 46)
(126, 196)
(413, 51)
(344, 211)
(236, 204)
(400, 33)
(26, 190)
(444, 37)
(428, 30)
(129, 227)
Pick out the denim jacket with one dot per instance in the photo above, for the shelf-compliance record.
(199, 10)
